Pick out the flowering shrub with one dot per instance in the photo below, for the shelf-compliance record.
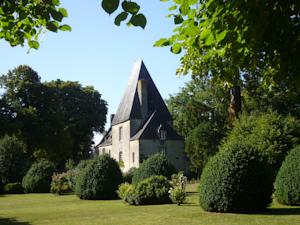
(63, 183)
(177, 192)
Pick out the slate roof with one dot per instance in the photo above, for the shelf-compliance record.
(129, 107)
(106, 140)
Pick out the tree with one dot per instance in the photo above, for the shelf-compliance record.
(13, 160)
(56, 120)
(226, 40)
(23, 21)
(200, 115)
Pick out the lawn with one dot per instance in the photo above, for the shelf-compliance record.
(41, 209)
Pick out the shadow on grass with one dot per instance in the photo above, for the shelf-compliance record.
(12, 221)
(282, 211)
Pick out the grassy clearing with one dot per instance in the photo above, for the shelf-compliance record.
(42, 209)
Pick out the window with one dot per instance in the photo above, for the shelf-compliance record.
(133, 159)
(162, 135)
(109, 153)
(120, 133)
(103, 151)
(120, 156)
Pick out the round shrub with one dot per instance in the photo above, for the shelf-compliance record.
(13, 188)
(238, 179)
(13, 160)
(156, 164)
(153, 190)
(99, 180)
(270, 133)
(287, 184)
(38, 177)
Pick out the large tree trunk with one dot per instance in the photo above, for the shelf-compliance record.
(235, 106)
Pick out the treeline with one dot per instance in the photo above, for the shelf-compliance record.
(268, 118)
(54, 120)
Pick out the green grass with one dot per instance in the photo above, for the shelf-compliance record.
(42, 209)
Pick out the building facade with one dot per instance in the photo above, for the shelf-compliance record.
(142, 126)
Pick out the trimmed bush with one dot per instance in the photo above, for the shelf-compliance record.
(13, 160)
(270, 133)
(13, 188)
(156, 164)
(63, 183)
(99, 180)
(38, 177)
(287, 184)
(153, 190)
(238, 179)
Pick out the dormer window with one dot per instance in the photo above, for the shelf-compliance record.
(162, 133)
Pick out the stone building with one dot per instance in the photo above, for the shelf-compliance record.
(142, 125)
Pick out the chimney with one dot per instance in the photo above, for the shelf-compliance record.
(111, 118)
(143, 97)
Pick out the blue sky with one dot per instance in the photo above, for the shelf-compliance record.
(100, 54)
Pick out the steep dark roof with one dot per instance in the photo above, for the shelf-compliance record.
(129, 107)
(150, 127)
(106, 140)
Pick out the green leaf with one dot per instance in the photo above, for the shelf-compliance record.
(63, 11)
(52, 26)
(210, 39)
(162, 42)
(178, 19)
(176, 48)
(184, 8)
(220, 36)
(56, 15)
(65, 27)
(130, 7)
(33, 44)
(110, 6)
(55, 2)
(174, 7)
(138, 20)
(121, 17)
(204, 33)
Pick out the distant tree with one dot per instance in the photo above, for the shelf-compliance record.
(13, 160)
(200, 112)
(57, 119)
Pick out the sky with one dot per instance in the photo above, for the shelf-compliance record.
(100, 54)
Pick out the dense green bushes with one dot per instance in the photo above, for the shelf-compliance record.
(99, 180)
(13, 160)
(270, 133)
(127, 177)
(38, 177)
(153, 190)
(13, 188)
(287, 184)
(156, 164)
(237, 179)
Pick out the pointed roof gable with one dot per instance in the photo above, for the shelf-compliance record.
(129, 107)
